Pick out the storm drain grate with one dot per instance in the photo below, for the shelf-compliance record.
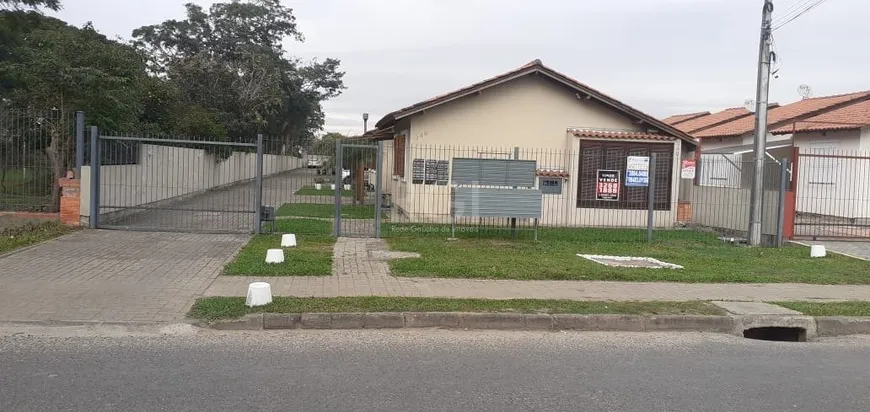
(630, 262)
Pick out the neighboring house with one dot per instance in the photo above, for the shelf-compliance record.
(568, 128)
(816, 133)
(834, 162)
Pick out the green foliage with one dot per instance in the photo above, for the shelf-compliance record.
(33, 4)
(229, 61)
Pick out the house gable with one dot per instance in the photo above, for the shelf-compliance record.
(530, 111)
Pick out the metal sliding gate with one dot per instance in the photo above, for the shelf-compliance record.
(155, 184)
(358, 188)
(833, 194)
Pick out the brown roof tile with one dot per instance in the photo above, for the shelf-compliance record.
(679, 118)
(853, 116)
(784, 114)
(715, 119)
(535, 67)
(617, 134)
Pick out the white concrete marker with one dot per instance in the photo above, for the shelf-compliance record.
(318, 186)
(259, 294)
(288, 240)
(346, 187)
(817, 251)
(275, 256)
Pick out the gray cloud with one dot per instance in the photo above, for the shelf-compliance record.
(662, 56)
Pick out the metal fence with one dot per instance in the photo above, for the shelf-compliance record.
(721, 194)
(832, 194)
(36, 148)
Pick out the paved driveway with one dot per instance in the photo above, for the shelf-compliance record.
(101, 275)
(856, 249)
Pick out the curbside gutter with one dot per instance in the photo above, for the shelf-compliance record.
(482, 321)
(825, 326)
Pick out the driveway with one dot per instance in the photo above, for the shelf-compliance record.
(113, 276)
(858, 249)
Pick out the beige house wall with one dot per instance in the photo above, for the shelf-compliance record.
(531, 113)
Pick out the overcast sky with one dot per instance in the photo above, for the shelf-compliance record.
(661, 56)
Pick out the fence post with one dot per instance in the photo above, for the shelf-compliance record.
(80, 143)
(379, 164)
(259, 202)
(651, 197)
(93, 220)
(780, 210)
(513, 219)
(338, 168)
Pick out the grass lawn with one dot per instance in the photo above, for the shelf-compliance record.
(324, 191)
(19, 236)
(233, 307)
(829, 308)
(705, 258)
(326, 210)
(311, 257)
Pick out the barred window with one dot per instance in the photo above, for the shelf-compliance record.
(399, 156)
(598, 155)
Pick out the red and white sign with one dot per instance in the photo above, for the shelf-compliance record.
(687, 168)
(608, 185)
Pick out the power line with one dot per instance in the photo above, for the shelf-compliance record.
(804, 11)
(798, 5)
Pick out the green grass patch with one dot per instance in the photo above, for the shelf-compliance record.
(829, 308)
(15, 237)
(706, 259)
(233, 307)
(326, 210)
(311, 257)
(324, 191)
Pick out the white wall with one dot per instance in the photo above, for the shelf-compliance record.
(166, 172)
(833, 174)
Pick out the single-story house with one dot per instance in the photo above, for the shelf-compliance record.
(569, 129)
(816, 133)
(834, 164)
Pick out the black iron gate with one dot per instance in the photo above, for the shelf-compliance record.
(155, 184)
(358, 188)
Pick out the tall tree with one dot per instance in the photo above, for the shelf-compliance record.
(52, 67)
(229, 61)
(33, 4)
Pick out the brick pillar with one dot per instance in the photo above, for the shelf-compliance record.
(70, 198)
(684, 212)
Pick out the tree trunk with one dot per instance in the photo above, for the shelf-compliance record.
(58, 168)
(360, 183)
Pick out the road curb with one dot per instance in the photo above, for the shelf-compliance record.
(476, 321)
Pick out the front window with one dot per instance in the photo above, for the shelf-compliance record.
(602, 160)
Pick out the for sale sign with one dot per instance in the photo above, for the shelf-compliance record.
(608, 185)
(637, 171)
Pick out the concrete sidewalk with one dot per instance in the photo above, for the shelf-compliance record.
(359, 270)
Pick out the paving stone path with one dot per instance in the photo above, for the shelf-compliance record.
(360, 269)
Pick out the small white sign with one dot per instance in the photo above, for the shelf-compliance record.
(637, 171)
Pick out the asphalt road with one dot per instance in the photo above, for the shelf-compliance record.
(431, 370)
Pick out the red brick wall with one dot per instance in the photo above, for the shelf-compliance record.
(684, 212)
(69, 202)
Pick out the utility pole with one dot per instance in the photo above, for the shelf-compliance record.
(763, 86)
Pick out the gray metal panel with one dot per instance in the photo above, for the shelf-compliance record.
(494, 172)
(496, 202)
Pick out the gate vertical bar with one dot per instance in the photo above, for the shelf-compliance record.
(338, 167)
(80, 143)
(651, 198)
(258, 212)
(780, 210)
(94, 218)
(513, 219)
(379, 163)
